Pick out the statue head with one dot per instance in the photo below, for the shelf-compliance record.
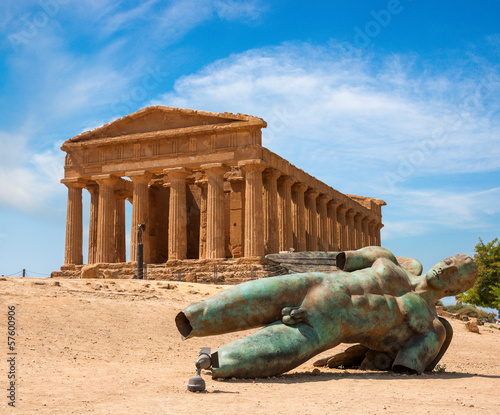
(452, 276)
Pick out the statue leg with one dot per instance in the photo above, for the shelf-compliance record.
(275, 349)
(248, 305)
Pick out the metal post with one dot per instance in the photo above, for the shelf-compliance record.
(179, 276)
(24, 273)
(215, 273)
(140, 251)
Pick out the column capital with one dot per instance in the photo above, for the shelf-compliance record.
(177, 172)
(322, 198)
(286, 180)
(105, 179)
(366, 219)
(358, 216)
(75, 183)
(342, 209)
(299, 187)
(214, 168)
(312, 194)
(253, 165)
(140, 176)
(271, 173)
(379, 225)
(351, 212)
(334, 203)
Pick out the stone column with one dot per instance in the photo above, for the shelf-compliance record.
(94, 209)
(106, 218)
(215, 210)
(120, 249)
(364, 231)
(177, 218)
(270, 204)
(371, 231)
(254, 228)
(203, 185)
(299, 217)
(285, 212)
(342, 228)
(312, 219)
(332, 226)
(73, 254)
(377, 234)
(140, 213)
(323, 222)
(351, 241)
(358, 241)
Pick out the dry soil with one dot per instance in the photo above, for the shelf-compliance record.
(111, 347)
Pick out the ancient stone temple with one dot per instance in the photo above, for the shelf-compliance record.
(205, 188)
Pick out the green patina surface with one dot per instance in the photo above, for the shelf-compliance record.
(371, 300)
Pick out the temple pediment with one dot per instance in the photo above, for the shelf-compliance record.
(160, 118)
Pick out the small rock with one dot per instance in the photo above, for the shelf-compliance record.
(56, 284)
(472, 327)
(316, 372)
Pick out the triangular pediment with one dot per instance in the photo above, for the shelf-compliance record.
(159, 118)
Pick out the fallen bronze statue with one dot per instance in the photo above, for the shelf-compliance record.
(387, 309)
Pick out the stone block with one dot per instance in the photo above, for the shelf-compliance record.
(90, 271)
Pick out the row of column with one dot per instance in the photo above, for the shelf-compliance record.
(279, 213)
(299, 217)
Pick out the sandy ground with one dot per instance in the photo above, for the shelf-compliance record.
(111, 347)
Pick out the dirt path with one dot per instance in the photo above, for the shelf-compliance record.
(111, 347)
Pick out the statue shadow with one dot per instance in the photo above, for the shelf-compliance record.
(306, 377)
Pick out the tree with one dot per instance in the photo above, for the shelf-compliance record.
(486, 290)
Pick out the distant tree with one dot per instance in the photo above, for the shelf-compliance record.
(486, 290)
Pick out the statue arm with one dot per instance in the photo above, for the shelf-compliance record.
(363, 258)
(421, 350)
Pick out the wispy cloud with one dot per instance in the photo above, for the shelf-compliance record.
(358, 123)
(428, 210)
(359, 110)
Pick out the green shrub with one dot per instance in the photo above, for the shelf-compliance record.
(469, 310)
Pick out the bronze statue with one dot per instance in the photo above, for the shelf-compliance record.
(371, 300)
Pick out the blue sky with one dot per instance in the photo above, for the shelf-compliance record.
(397, 100)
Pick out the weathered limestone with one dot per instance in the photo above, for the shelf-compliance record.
(312, 220)
(357, 231)
(215, 210)
(203, 185)
(94, 209)
(140, 208)
(285, 212)
(342, 226)
(177, 235)
(333, 244)
(299, 217)
(106, 216)
(120, 240)
(351, 232)
(270, 203)
(365, 231)
(323, 222)
(254, 227)
(205, 188)
(74, 226)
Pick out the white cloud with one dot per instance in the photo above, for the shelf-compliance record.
(427, 210)
(359, 111)
(29, 180)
